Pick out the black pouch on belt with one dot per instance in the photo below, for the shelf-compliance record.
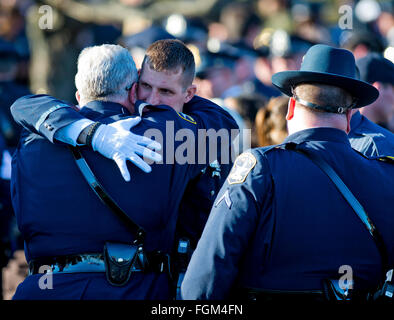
(119, 261)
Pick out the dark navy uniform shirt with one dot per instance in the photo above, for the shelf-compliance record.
(279, 223)
(58, 213)
(370, 138)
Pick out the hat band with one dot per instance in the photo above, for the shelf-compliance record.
(326, 108)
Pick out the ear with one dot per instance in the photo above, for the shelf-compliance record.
(290, 109)
(377, 85)
(133, 93)
(349, 114)
(190, 92)
(77, 96)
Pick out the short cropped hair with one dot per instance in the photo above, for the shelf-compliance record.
(105, 72)
(324, 95)
(170, 55)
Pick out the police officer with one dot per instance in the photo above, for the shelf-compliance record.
(366, 135)
(64, 224)
(279, 224)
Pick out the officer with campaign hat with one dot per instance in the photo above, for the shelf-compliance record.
(283, 226)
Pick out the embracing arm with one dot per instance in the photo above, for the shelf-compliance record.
(57, 120)
(45, 115)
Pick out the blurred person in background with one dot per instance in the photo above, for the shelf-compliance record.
(275, 14)
(14, 273)
(14, 82)
(138, 43)
(13, 30)
(7, 222)
(192, 31)
(379, 72)
(247, 106)
(11, 243)
(271, 126)
(367, 133)
(217, 68)
(55, 48)
(385, 23)
(216, 80)
(10, 90)
(241, 22)
(287, 51)
(308, 24)
(361, 43)
(263, 70)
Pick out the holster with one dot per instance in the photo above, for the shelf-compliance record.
(385, 292)
(182, 260)
(121, 260)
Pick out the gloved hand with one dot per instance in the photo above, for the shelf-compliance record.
(116, 142)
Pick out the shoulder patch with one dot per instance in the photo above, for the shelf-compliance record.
(186, 117)
(241, 168)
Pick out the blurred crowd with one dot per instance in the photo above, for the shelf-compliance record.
(237, 45)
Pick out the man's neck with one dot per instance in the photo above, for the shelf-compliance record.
(128, 106)
(304, 120)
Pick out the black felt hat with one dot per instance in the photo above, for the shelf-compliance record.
(328, 65)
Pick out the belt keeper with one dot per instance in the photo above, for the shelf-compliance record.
(92, 130)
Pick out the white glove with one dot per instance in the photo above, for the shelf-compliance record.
(116, 142)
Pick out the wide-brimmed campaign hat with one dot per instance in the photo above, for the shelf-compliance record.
(328, 65)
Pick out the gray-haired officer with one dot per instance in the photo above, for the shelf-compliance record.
(279, 225)
(366, 135)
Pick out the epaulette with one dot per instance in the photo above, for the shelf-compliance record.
(264, 150)
(245, 162)
(389, 159)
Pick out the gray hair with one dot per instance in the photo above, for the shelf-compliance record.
(104, 72)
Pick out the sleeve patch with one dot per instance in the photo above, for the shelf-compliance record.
(226, 198)
(241, 168)
(186, 117)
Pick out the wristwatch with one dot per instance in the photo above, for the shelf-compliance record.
(86, 135)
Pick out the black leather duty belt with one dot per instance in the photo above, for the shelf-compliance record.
(157, 262)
